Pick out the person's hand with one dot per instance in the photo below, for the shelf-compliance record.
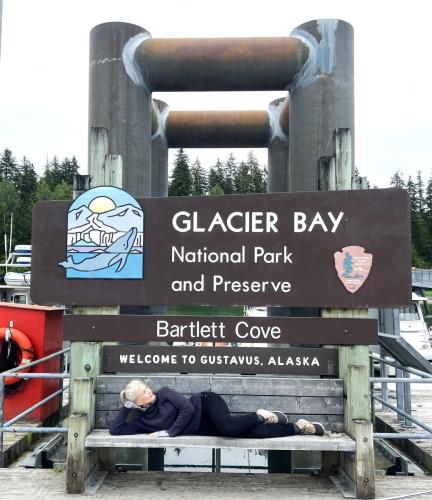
(131, 405)
(159, 434)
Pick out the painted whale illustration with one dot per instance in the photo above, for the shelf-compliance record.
(117, 253)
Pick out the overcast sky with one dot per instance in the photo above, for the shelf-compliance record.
(44, 72)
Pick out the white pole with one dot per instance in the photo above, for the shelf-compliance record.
(10, 235)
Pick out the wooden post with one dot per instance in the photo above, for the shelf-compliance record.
(365, 468)
(353, 360)
(105, 169)
(76, 464)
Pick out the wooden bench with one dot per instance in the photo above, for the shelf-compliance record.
(319, 400)
(342, 405)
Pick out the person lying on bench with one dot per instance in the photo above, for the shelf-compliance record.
(167, 413)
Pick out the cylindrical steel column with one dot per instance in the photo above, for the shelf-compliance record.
(119, 105)
(218, 129)
(181, 64)
(159, 150)
(278, 149)
(321, 98)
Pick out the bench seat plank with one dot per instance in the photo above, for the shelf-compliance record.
(101, 438)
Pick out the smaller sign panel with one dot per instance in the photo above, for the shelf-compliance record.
(270, 330)
(242, 360)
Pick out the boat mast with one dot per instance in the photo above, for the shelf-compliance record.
(10, 234)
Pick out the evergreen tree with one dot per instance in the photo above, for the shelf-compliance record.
(53, 174)
(428, 206)
(397, 180)
(181, 181)
(216, 190)
(347, 264)
(217, 176)
(420, 193)
(9, 204)
(26, 181)
(257, 175)
(242, 180)
(421, 238)
(412, 192)
(230, 170)
(63, 191)
(428, 198)
(8, 166)
(68, 168)
(199, 179)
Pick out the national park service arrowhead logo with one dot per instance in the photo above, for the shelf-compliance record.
(353, 266)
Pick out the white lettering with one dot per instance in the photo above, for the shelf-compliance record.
(186, 225)
(318, 220)
(299, 222)
(335, 222)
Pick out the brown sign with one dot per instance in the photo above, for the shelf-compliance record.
(324, 249)
(272, 329)
(242, 360)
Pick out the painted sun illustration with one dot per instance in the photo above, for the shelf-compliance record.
(101, 204)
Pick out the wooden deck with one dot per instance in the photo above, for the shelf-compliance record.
(48, 484)
(419, 450)
(15, 444)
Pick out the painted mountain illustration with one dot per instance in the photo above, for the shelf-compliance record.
(105, 236)
(103, 229)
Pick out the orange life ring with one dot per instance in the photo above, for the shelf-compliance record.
(26, 349)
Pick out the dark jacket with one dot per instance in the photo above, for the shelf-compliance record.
(170, 412)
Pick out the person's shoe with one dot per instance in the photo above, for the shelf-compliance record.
(268, 416)
(282, 418)
(310, 428)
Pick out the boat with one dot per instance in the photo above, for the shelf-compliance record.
(17, 279)
(17, 275)
(413, 326)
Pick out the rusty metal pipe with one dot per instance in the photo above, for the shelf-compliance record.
(218, 129)
(218, 64)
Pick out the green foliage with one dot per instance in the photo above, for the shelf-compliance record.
(181, 180)
(216, 191)
(421, 217)
(10, 203)
(199, 179)
(217, 176)
(20, 189)
(57, 172)
(8, 166)
(223, 178)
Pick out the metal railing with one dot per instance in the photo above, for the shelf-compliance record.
(14, 373)
(403, 405)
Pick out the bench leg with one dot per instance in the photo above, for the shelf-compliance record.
(330, 461)
(107, 459)
(78, 463)
(360, 466)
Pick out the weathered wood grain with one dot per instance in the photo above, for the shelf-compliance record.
(290, 404)
(248, 384)
(334, 442)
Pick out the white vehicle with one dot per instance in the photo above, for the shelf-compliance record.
(413, 326)
(15, 286)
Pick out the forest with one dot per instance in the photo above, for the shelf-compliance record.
(21, 187)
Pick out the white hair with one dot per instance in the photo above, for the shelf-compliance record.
(131, 391)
